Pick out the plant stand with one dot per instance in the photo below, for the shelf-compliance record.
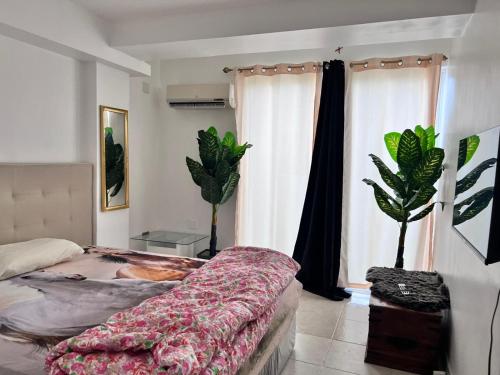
(404, 339)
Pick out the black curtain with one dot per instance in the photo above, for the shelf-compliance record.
(318, 242)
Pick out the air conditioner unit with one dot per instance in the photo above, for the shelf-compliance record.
(200, 96)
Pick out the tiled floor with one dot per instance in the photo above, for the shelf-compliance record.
(331, 337)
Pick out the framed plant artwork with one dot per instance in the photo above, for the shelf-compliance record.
(114, 158)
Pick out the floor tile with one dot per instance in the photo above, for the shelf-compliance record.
(351, 331)
(294, 367)
(318, 316)
(353, 311)
(311, 349)
(350, 358)
(345, 356)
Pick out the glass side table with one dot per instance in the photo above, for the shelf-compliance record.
(166, 242)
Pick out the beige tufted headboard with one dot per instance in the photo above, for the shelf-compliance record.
(46, 200)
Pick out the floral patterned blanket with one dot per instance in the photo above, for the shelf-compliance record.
(209, 324)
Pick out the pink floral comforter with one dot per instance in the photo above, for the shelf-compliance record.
(210, 324)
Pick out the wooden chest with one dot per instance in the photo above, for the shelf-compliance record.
(403, 339)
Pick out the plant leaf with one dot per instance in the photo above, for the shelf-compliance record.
(229, 140)
(209, 148)
(210, 190)
(471, 178)
(421, 197)
(196, 169)
(409, 151)
(384, 200)
(229, 187)
(476, 204)
(422, 213)
(211, 130)
(222, 172)
(472, 145)
(466, 150)
(422, 136)
(392, 142)
(431, 137)
(239, 151)
(428, 169)
(391, 179)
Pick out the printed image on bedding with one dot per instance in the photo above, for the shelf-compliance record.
(42, 308)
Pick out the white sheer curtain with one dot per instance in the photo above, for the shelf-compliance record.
(381, 101)
(275, 113)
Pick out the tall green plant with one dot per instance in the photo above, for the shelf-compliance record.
(217, 174)
(420, 165)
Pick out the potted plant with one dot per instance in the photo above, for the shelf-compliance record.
(420, 165)
(217, 174)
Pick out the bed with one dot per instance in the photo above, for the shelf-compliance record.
(55, 201)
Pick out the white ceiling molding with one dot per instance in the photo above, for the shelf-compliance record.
(64, 27)
(421, 29)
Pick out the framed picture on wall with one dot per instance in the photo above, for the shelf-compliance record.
(114, 158)
(476, 211)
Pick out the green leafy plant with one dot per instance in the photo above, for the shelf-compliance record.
(420, 165)
(217, 174)
(476, 203)
(115, 162)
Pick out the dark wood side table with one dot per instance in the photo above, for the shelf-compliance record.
(403, 339)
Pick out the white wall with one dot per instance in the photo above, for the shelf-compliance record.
(472, 106)
(49, 113)
(39, 104)
(146, 153)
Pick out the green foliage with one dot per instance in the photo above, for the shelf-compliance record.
(420, 165)
(476, 203)
(217, 174)
(473, 176)
(467, 149)
(392, 143)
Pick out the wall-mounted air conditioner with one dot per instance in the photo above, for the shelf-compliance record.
(200, 96)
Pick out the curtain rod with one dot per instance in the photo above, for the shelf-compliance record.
(389, 61)
(290, 66)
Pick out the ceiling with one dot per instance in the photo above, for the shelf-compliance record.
(121, 10)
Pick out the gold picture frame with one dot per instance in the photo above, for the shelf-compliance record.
(114, 158)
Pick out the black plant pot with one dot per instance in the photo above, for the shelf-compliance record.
(205, 254)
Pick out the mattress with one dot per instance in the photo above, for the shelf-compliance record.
(42, 308)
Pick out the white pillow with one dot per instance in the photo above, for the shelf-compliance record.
(22, 257)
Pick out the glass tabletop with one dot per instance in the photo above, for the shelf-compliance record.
(176, 238)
